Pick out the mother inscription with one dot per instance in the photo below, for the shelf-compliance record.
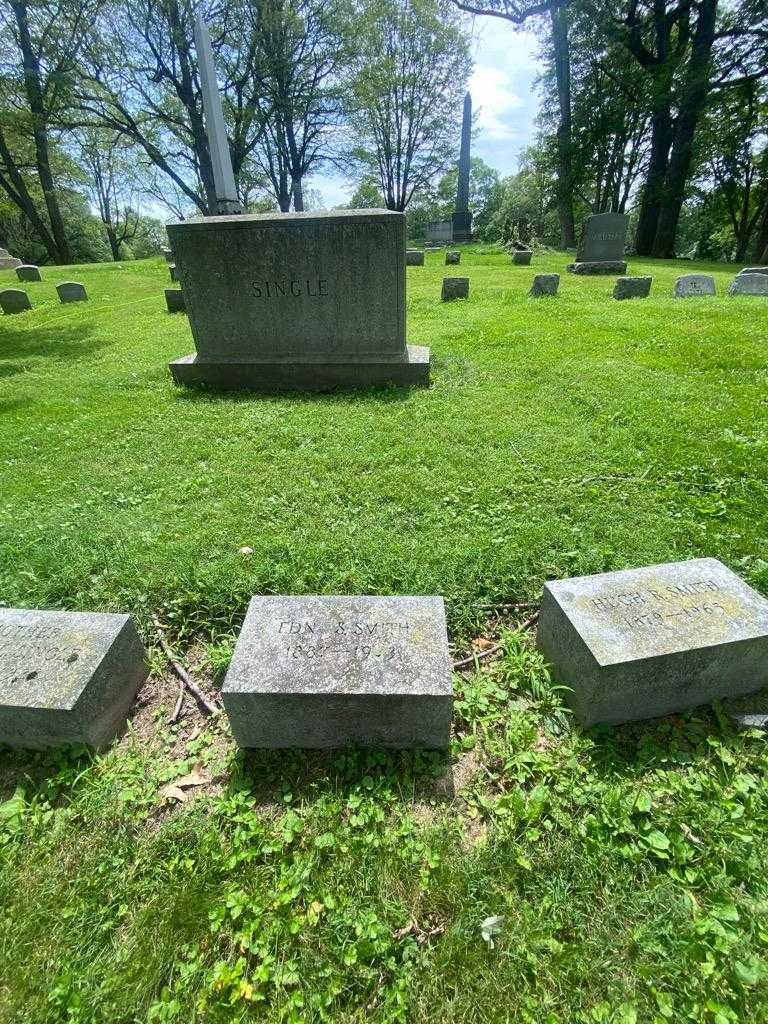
(645, 642)
(67, 677)
(326, 671)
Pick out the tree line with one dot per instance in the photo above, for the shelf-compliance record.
(653, 107)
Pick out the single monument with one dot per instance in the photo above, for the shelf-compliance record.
(28, 272)
(68, 677)
(454, 288)
(462, 215)
(296, 301)
(601, 247)
(749, 284)
(174, 300)
(632, 288)
(327, 671)
(8, 262)
(644, 642)
(694, 284)
(544, 284)
(14, 300)
(522, 257)
(71, 291)
(414, 257)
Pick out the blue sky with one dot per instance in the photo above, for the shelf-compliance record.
(503, 100)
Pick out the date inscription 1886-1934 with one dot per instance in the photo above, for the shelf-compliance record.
(313, 288)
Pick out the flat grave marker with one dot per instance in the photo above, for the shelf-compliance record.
(694, 284)
(645, 642)
(326, 671)
(67, 677)
(14, 300)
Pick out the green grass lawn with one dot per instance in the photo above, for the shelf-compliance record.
(559, 437)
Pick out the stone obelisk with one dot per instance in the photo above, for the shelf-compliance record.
(462, 217)
(223, 177)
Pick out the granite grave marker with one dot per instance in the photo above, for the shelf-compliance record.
(694, 284)
(601, 246)
(296, 301)
(28, 272)
(632, 287)
(174, 300)
(14, 300)
(326, 671)
(452, 258)
(545, 284)
(455, 288)
(68, 677)
(749, 284)
(645, 642)
(414, 258)
(8, 262)
(71, 291)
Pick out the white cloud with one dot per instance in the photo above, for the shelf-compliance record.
(493, 97)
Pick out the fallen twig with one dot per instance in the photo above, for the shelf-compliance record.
(179, 704)
(182, 673)
(514, 606)
(480, 655)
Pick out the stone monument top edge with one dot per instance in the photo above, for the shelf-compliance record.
(244, 219)
(669, 608)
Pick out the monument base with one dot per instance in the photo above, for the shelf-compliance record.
(295, 375)
(9, 263)
(462, 226)
(599, 267)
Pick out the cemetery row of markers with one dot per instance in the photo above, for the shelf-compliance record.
(326, 671)
(298, 302)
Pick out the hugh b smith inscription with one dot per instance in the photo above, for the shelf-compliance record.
(327, 671)
(67, 677)
(645, 642)
(300, 301)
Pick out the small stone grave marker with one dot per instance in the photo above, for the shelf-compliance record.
(632, 288)
(28, 272)
(168, 254)
(14, 300)
(753, 270)
(522, 257)
(72, 291)
(694, 284)
(326, 671)
(414, 258)
(545, 284)
(645, 642)
(8, 262)
(172, 272)
(749, 284)
(67, 677)
(455, 288)
(452, 258)
(174, 300)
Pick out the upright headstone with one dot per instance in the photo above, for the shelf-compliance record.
(462, 216)
(632, 288)
(694, 284)
(601, 247)
(68, 677)
(168, 254)
(522, 257)
(438, 232)
(414, 257)
(302, 301)
(174, 300)
(545, 284)
(753, 270)
(14, 300)
(28, 272)
(218, 144)
(749, 284)
(72, 291)
(644, 642)
(172, 273)
(455, 288)
(327, 671)
(452, 258)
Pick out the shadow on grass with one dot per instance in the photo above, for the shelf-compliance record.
(408, 774)
(333, 396)
(65, 342)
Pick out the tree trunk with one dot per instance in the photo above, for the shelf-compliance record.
(298, 195)
(13, 184)
(653, 186)
(760, 248)
(114, 245)
(696, 90)
(34, 92)
(564, 183)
